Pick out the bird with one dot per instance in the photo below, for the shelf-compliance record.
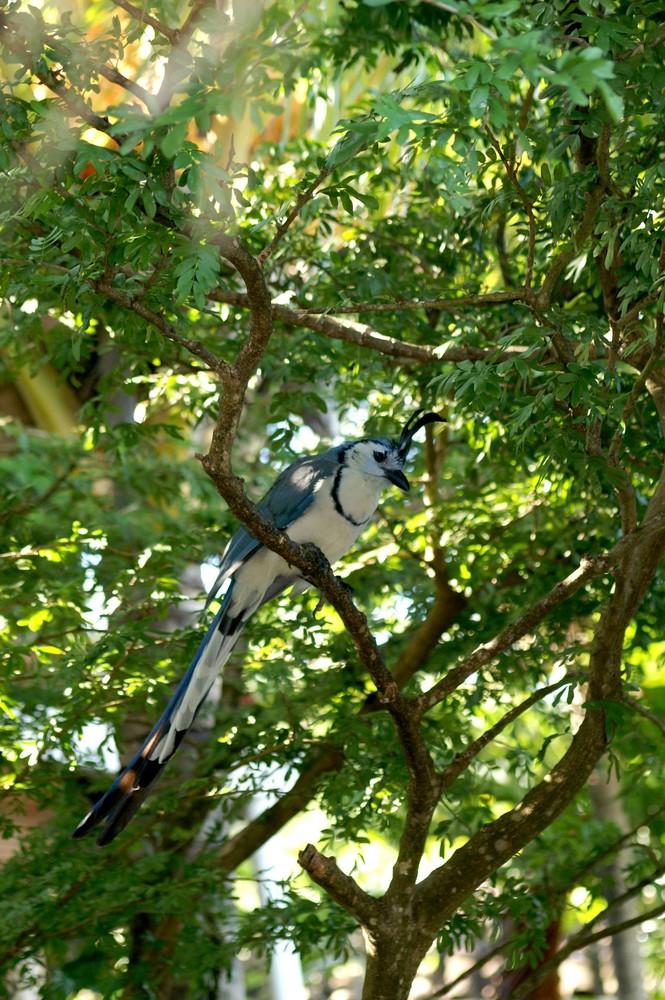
(327, 500)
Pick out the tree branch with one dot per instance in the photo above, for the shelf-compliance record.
(366, 337)
(452, 304)
(133, 304)
(526, 203)
(301, 201)
(495, 843)
(143, 17)
(340, 887)
(637, 557)
(532, 617)
(589, 569)
(582, 940)
(645, 713)
(187, 28)
(114, 75)
(462, 760)
(565, 256)
(52, 79)
(254, 834)
(307, 558)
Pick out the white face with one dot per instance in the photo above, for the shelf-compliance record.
(370, 457)
(377, 458)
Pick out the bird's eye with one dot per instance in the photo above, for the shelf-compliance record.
(379, 456)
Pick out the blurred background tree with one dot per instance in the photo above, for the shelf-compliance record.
(254, 229)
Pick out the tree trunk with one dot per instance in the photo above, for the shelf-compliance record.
(393, 962)
(547, 988)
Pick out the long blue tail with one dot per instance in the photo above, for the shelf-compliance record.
(128, 792)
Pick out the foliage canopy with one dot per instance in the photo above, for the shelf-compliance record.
(245, 232)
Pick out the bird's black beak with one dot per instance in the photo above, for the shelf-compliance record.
(397, 478)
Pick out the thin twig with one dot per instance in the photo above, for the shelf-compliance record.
(478, 964)
(588, 570)
(42, 497)
(301, 201)
(526, 202)
(645, 713)
(114, 75)
(143, 17)
(642, 46)
(221, 368)
(583, 939)
(464, 758)
(553, 895)
(466, 18)
(32, 264)
(565, 256)
(452, 304)
(365, 336)
(636, 391)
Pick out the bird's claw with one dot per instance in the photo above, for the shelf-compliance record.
(389, 694)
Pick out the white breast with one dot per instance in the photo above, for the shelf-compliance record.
(358, 495)
(322, 525)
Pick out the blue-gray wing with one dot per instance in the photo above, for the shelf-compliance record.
(287, 500)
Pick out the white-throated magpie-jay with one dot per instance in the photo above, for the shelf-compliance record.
(327, 500)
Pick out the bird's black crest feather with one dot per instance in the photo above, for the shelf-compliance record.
(417, 420)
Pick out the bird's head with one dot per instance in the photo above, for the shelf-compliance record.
(386, 459)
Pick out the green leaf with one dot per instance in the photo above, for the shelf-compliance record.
(148, 200)
(172, 142)
(613, 101)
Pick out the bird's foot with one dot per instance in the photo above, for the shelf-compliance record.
(389, 694)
